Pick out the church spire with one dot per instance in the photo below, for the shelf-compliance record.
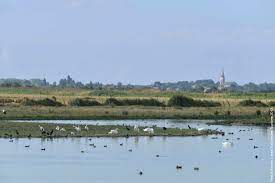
(222, 79)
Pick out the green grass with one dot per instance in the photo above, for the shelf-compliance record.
(31, 129)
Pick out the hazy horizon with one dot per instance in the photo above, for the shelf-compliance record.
(138, 41)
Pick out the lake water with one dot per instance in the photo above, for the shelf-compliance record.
(63, 160)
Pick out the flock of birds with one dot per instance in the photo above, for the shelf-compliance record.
(136, 128)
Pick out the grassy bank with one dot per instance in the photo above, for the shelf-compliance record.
(29, 129)
(131, 112)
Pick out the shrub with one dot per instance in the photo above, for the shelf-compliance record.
(271, 103)
(113, 101)
(143, 102)
(182, 101)
(228, 113)
(216, 113)
(258, 113)
(252, 103)
(127, 102)
(84, 102)
(125, 113)
(42, 102)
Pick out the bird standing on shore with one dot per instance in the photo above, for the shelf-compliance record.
(86, 127)
(136, 129)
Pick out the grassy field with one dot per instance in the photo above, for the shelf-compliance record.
(11, 98)
(28, 129)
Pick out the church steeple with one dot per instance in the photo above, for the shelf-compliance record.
(222, 79)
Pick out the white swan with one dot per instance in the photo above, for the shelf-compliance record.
(227, 144)
(200, 129)
(149, 130)
(113, 132)
(62, 130)
(86, 127)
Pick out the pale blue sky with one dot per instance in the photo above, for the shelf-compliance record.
(138, 41)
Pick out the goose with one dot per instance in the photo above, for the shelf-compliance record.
(72, 133)
(149, 130)
(113, 132)
(16, 131)
(164, 128)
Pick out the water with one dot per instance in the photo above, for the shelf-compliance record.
(63, 161)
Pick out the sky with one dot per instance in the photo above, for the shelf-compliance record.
(138, 41)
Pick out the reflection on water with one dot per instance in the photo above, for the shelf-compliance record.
(71, 160)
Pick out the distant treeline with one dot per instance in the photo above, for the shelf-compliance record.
(206, 86)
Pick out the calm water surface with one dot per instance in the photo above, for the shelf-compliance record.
(63, 161)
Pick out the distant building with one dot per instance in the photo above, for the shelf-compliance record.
(222, 80)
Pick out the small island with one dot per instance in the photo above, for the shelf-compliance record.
(10, 129)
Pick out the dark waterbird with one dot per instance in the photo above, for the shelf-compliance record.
(27, 146)
(196, 168)
(178, 167)
(128, 128)
(255, 147)
(17, 133)
(121, 144)
(43, 149)
(189, 127)
(164, 128)
(140, 172)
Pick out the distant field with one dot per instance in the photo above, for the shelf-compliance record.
(11, 100)
(65, 95)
